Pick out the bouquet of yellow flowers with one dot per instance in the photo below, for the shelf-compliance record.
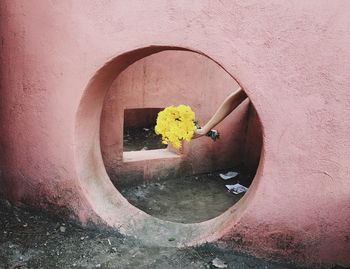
(176, 124)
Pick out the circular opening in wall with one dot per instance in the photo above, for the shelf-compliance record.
(194, 187)
(143, 79)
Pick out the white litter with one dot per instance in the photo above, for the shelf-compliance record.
(217, 263)
(229, 175)
(236, 188)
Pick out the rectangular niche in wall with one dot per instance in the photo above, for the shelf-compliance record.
(138, 133)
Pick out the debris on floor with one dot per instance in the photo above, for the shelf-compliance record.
(229, 175)
(236, 188)
(188, 199)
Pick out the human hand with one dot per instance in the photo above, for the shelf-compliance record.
(213, 134)
(198, 133)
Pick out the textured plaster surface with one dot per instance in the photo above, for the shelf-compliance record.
(291, 57)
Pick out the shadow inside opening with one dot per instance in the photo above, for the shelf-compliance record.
(175, 189)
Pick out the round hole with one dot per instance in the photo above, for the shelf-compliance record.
(105, 199)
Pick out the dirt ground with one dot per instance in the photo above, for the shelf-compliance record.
(186, 199)
(34, 240)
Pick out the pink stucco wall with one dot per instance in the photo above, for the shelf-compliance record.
(58, 60)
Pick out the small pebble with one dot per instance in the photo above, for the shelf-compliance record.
(62, 229)
(7, 203)
(98, 265)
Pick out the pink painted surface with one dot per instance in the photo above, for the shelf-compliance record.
(173, 78)
(292, 58)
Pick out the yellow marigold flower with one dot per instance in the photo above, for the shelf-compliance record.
(176, 124)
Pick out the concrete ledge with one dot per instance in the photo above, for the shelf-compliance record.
(143, 155)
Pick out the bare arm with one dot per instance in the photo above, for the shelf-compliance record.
(229, 104)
